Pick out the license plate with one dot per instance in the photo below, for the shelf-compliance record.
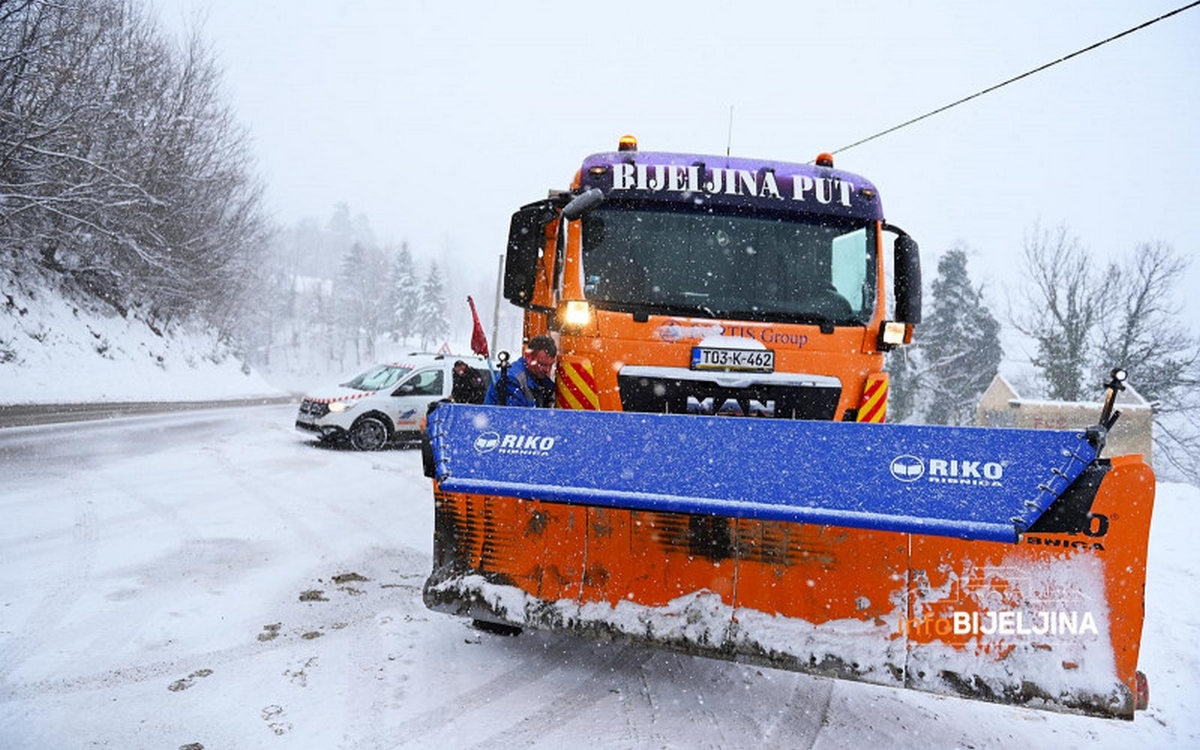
(746, 360)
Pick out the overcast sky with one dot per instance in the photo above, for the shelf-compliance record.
(436, 120)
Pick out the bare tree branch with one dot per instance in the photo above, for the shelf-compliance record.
(1060, 308)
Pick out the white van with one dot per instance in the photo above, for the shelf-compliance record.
(387, 402)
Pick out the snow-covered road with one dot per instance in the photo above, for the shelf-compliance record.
(211, 579)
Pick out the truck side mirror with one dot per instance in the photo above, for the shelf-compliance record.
(907, 286)
(583, 203)
(526, 239)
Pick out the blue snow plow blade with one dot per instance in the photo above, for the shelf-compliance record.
(965, 482)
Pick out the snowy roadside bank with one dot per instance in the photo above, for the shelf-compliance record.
(25, 415)
(56, 351)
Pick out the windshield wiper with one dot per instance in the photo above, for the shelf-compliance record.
(700, 311)
(825, 323)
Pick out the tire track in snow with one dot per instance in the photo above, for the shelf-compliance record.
(282, 489)
(710, 682)
(420, 730)
(388, 473)
(692, 691)
(39, 627)
(265, 491)
(148, 585)
(366, 695)
(535, 726)
(806, 716)
(122, 485)
(631, 715)
(75, 451)
(377, 687)
(42, 538)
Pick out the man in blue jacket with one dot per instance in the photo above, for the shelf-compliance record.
(529, 382)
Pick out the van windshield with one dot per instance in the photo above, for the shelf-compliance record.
(378, 378)
(729, 265)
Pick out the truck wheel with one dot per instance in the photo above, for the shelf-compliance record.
(368, 434)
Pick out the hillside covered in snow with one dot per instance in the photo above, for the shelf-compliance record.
(56, 350)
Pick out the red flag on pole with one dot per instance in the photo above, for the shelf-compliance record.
(479, 343)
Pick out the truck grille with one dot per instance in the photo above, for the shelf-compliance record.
(678, 391)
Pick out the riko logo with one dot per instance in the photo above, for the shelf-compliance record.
(907, 468)
(487, 442)
(526, 445)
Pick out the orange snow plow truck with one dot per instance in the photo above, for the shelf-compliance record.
(718, 478)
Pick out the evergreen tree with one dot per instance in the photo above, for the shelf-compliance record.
(961, 345)
(319, 327)
(347, 297)
(405, 296)
(362, 298)
(339, 230)
(431, 316)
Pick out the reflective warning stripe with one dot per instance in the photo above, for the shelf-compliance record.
(875, 396)
(346, 397)
(576, 385)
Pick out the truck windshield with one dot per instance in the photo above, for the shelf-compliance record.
(739, 266)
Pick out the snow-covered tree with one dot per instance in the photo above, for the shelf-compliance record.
(124, 174)
(361, 294)
(961, 344)
(955, 354)
(347, 298)
(432, 325)
(406, 294)
(345, 228)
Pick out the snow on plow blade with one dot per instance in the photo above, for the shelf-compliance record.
(989, 563)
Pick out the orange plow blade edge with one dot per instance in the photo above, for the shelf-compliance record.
(1052, 621)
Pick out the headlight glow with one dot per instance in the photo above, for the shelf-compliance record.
(577, 313)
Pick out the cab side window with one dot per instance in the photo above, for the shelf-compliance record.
(423, 383)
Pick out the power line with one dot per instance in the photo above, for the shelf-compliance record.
(1038, 69)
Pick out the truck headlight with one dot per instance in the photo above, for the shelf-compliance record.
(894, 333)
(577, 313)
